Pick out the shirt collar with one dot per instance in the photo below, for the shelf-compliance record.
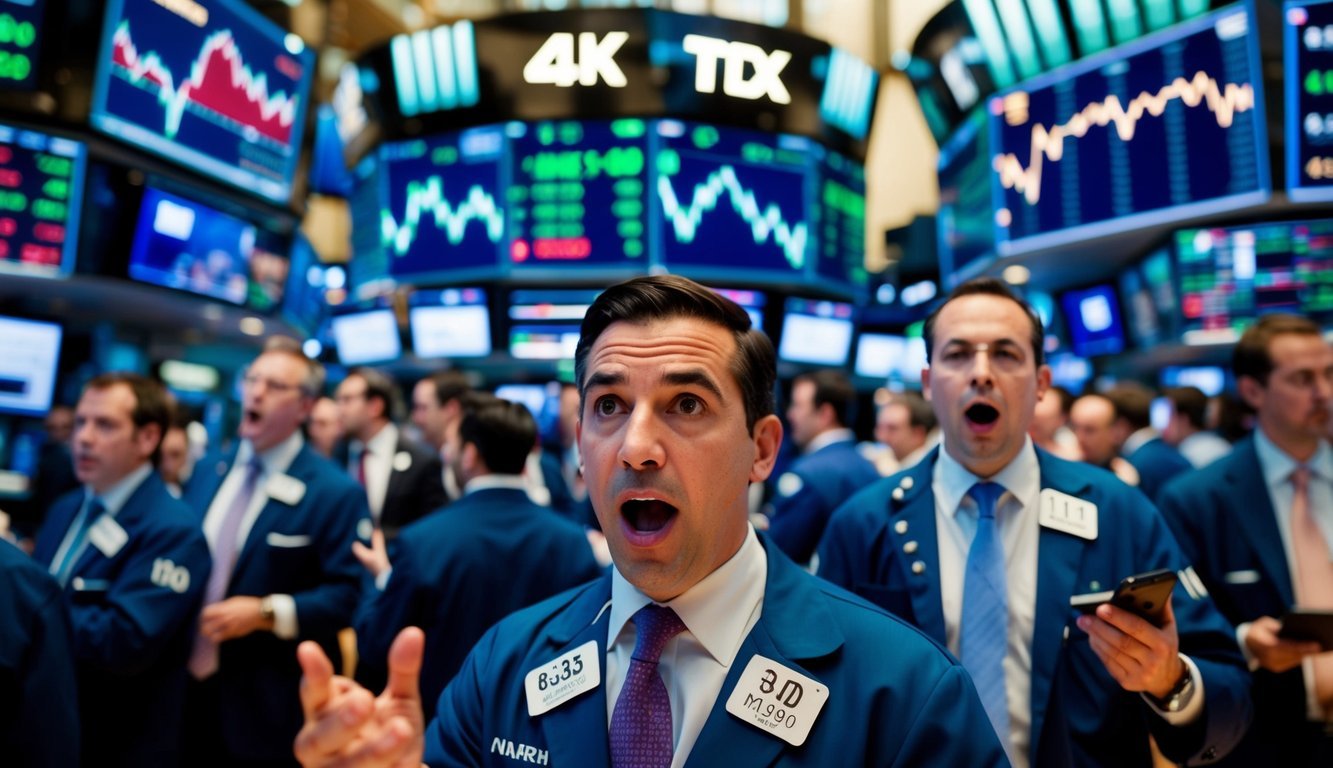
(495, 480)
(1278, 465)
(716, 610)
(1021, 477)
(1138, 440)
(825, 439)
(115, 497)
(276, 459)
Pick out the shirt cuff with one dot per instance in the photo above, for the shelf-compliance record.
(1192, 710)
(1241, 631)
(284, 616)
(382, 579)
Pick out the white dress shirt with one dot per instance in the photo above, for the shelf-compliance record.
(377, 467)
(1016, 518)
(1277, 467)
(718, 614)
(276, 461)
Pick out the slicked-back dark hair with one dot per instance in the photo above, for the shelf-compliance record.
(665, 297)
(152, 403)
(1189, 402)
(379, 387)
(1251, 356)
(832, 387)
(504, 432)
(449, 385)
(988, 286)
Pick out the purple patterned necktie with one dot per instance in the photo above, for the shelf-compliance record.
(203, 660)
(641, 733)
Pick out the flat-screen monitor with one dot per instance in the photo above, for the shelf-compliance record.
(28, 365)
(21, 33)
(840, 219)
(1210, 379)
(1093, 317)
(733, 202)
(183, 244)
(816, 332)
(544, 324)
(443, 206)
(1149, 293)
(751, 301)
(1165, 128)
(369, 336)
(1308, 87)
(1070, 371)
(210, 84)
(450, 322)
(890, 357)
(41, 191)
(1229, 276)
(578, 197)
(966, 219)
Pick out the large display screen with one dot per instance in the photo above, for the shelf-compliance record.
(20, 42)
(840, 221)
(893, 358)
(733, 200)
(366, 337)
(41, 190)
(1093, 316)
(1148, 291)
(453, 322)
(1308, 76)
(28, 365)
(179, 243)
(210, 84)
(544, 324)
(966, 218)
(1168, 127)
(1229, 276)
(816, 332)
(443, 208)
(578, 196)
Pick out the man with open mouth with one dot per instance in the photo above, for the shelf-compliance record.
(984, 542)
(706, 643)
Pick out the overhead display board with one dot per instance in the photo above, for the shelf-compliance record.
(41, 183)
(1308, 80)
(1168, 127)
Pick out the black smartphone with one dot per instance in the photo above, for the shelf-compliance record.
(1146, 594)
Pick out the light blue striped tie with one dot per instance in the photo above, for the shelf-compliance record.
(85, 520)
(985, 625)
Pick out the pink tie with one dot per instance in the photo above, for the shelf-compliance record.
(1314, 574)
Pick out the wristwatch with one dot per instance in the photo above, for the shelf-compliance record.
(1178, 697)
(266, 611)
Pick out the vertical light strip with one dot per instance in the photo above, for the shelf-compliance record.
(405, 80)
(1125, 22)
(1089, 26)
(1017, 30)
(425, 71)
(1050, 32)
(1159, 14)
(982, 15)
(465, 58)
(443, 43)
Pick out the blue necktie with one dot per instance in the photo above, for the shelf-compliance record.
(641, 732)
(985, 624)
(85, 520)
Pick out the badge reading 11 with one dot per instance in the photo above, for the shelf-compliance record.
(778, 700)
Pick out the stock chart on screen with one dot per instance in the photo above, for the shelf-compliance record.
(841, 245)
(20, 42)
(210, 84)
(1308, 43)
(443, 204)
(578, 195)
(41, 178)
(1167, 127)
(733, 200)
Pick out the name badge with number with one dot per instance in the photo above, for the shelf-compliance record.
(286, 489)
(107, 535)
(563, 678)
(778, 700)
(1068, 514)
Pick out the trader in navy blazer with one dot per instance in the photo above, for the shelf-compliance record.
(1234, 520)
(1061, 689)
(132, 563)
(40, 726)
(1156, 461)
(460, 570)
(281, 521)
(830, 468)
(705, 645)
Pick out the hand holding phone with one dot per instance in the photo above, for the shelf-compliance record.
(1145, 594)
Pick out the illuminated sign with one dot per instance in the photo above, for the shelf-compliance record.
(554, 62)
(735, 58)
